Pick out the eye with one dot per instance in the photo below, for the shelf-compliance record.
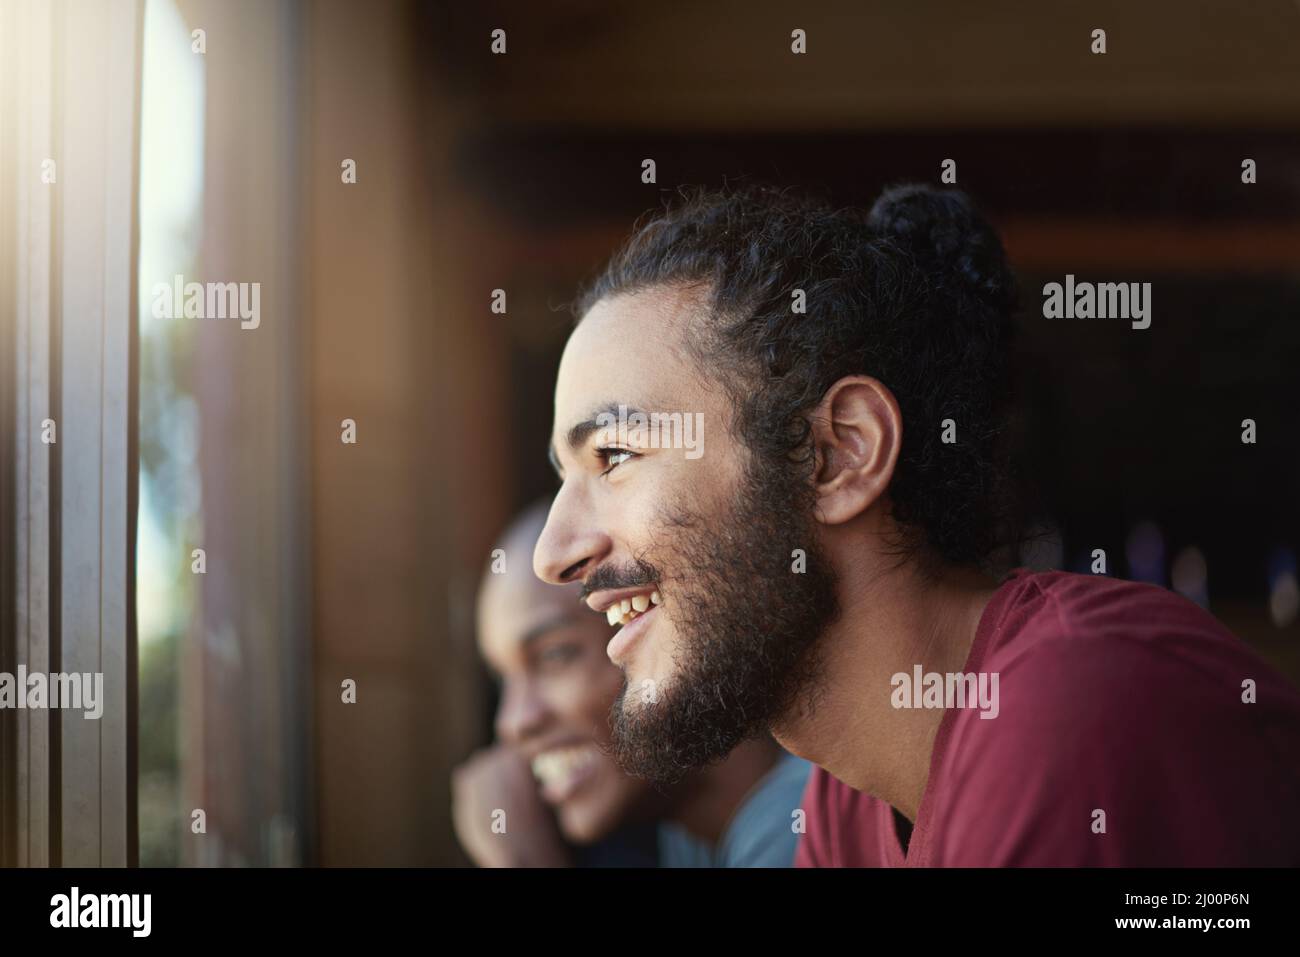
(558, 655)
(613, 458)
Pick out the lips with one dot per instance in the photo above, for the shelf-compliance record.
(630, 610)
(627, 636)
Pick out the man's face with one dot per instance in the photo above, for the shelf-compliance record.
(703, 542)
(557, 687)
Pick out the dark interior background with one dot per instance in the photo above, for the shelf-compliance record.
(1122, 167)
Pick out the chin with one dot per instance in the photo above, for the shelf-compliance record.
(635, 698)
(587, 821)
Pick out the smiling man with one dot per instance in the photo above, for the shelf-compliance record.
(835, 536)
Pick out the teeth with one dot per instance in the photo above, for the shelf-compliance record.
(626, 609)
(559, 764)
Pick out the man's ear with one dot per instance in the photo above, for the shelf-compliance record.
(857, 431)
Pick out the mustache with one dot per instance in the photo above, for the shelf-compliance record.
(632, 575)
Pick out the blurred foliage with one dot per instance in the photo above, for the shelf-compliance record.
(159, 742)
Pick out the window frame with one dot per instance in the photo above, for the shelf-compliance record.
(69, 91)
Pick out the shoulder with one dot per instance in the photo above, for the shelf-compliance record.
(1035, 608)
(1075, 654)
(678, 848)
(1066, 638)
(763, 831)
(1120, 696)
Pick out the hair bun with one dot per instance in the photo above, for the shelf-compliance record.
(943, 230)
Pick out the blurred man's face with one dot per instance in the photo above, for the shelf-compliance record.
(719, 636)
(557, 687)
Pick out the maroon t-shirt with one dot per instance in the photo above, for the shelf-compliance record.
(1115, 697)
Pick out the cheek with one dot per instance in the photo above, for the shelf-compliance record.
(635, 515)
(587, 691)
(684, 488)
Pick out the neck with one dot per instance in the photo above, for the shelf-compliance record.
(712, 796)
(891, 620)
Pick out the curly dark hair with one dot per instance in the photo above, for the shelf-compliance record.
(916, 293)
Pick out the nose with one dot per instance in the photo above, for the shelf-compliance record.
(571, 543)
(521, 713)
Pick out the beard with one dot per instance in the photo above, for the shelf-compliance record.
(749, 626)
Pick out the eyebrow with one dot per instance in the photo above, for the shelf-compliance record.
(579, 433)
(536, 632)
(542, 629)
